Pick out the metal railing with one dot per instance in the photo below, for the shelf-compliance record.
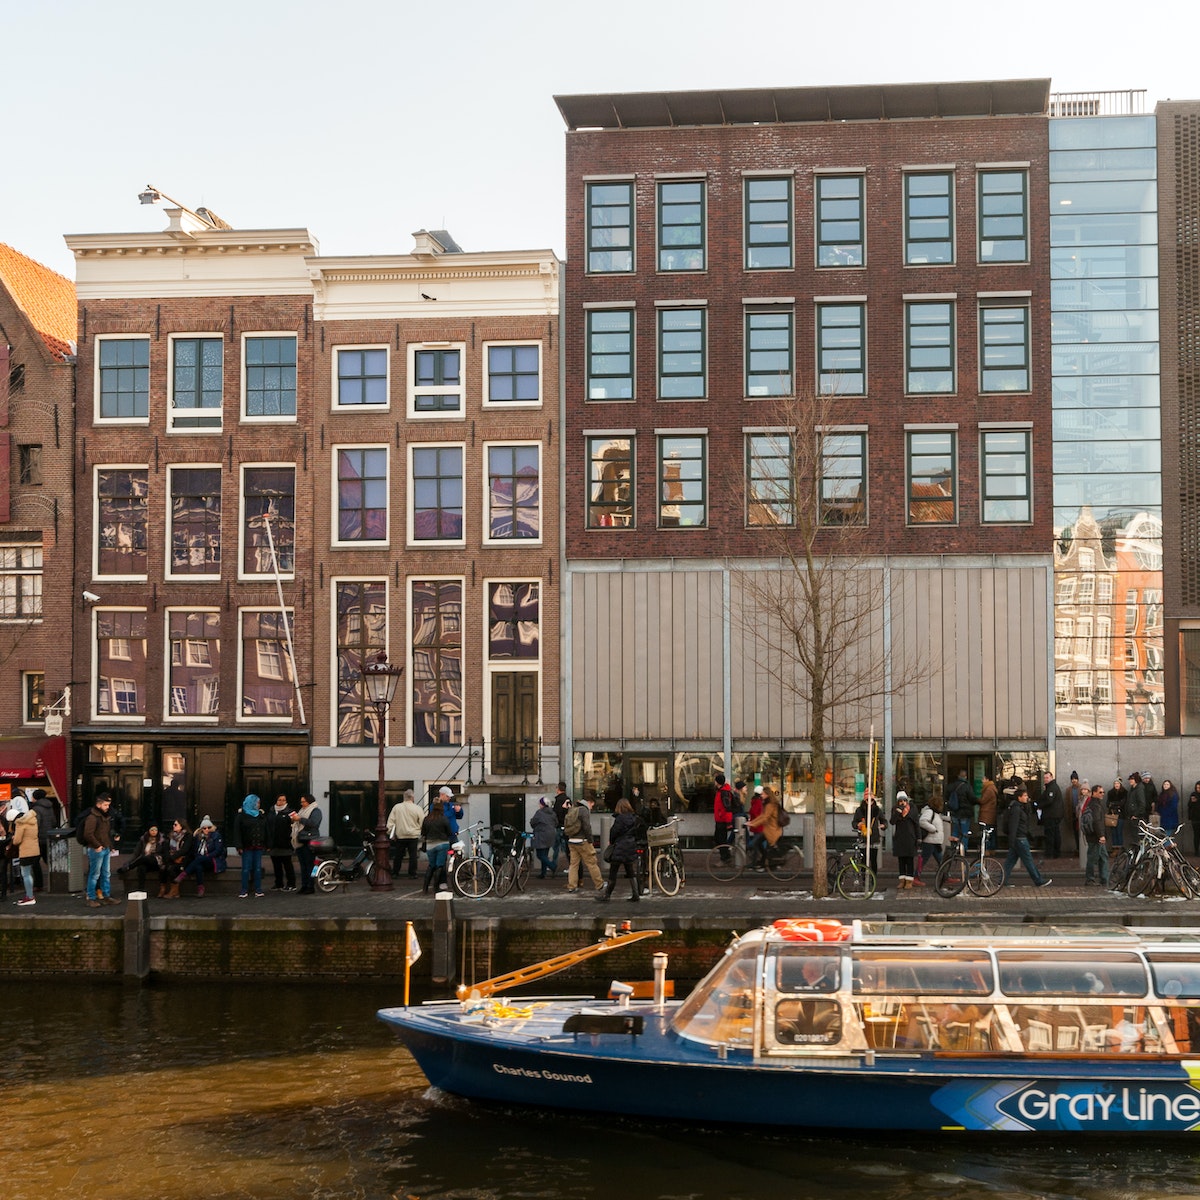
(1098, 104)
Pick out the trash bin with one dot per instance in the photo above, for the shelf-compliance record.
(68, 861)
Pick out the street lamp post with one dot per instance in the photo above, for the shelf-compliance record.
(380, 680)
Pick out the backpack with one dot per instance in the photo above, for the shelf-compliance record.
(80, 821)
(572, 822)
(1087, 820)
(727, 800)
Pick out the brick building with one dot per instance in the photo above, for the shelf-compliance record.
(286, 464)
(733, 258)
(37, 373)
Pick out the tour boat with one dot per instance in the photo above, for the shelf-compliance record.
(883, 1026)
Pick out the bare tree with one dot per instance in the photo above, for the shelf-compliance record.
(813, 608)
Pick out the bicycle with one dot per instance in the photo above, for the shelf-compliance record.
(470, 874)
(516, 866)
(1162, 859)
(666, 859)
(782, 861)
(978, 870)
(855, 878)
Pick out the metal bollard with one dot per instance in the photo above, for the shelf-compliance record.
(443, 938)
(660, 980)
(135, 930)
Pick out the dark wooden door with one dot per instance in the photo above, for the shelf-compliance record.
(514, 722)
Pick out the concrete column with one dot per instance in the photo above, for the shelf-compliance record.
(135, 929)
(443, 938)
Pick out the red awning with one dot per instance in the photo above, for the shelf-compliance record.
(36, 758)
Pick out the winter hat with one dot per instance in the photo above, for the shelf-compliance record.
(1146, 776)
(541, 801)
(206, 823)
(901, 795)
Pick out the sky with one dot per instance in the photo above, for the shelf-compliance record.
(363, 120)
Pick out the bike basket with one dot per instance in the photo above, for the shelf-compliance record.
(663, 835)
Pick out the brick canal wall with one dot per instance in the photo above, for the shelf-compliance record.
(335, 950)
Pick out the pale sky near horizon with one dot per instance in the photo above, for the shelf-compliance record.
(366, 120)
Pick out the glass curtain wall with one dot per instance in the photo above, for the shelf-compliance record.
(1108, 610)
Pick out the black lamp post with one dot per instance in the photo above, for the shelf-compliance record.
(380, 680)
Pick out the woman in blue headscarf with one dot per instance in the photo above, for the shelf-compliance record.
(251, 834)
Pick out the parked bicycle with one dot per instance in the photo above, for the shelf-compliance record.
(781, 861)
(976, 869)
(467, 868)
(1155, 859)
(855, 877)
(665, 857)
(516, 865)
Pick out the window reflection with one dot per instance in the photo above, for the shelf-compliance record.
(361, 635)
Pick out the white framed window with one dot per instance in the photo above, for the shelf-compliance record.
(267, 521)
(21, 563)
(193, 669)
(359, 631)
(360, 495)
(362, 378)
(268, 377)
(122, 379)
(437, 378)
(513, 493)
(119, 639)
(266, 683)
(120, 513)
(33, 697)
(194, 521)
(196, 383)
(512, 374)
(435, 494)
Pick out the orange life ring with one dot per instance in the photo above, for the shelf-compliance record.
(811, 930)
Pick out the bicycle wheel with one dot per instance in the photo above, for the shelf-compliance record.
(666, 874)
(1118, 871)
(1191, 877)
(856, 881)
(473, 877)
(986, 877)
(506, 876)
(726, 862)
(1175, 875)
(524, 865)
(371, 873)
(326, 877)
(784, 862)
(951, 877)
(1143, 877)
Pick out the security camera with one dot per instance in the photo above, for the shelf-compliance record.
(91, 597)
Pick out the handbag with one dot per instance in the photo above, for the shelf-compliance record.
(608, 852)
(1111, 820)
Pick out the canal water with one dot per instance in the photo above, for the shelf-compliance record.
(248, 1092)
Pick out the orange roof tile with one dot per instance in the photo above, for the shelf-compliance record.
(46, 298)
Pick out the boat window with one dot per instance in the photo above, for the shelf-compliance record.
(1086, 1028)
(721, 1009)
(1184, 1026)
(808, 970)
(1097, 973)
(1175, 976)
(927, 1025)
(808, 1022)
(952, 973)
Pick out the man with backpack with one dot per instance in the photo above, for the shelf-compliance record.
(577, 825)
(960, 804)
(94, 831)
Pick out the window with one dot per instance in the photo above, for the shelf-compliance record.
(768, 223)
(361, 635)
(362, 493)
(770, 480)
(610, 482)
(841, 240)
(123, 379)
(120, 662)
(197, 382)
(437, 493)
(33, 697)
(435, 380)
(195, 521)
(514, 374)
(681, 225)
(610, 354)
(1003, 216)
(610, 227)
(20, 577)
(1004, 348)
(681, 353)
(929, 347)
(437, 662)
(16, 378)
(769, 351)
(931, 472)
(194, 673)
(362, 377)
(29, 465)
(681, 481)
(843, 495)
(514, 492)
(122, 503)
(929, 218)
(270, 376)
(268, 520)
(841, 349)
(513, 627)
(1006, 478)
(268, 685)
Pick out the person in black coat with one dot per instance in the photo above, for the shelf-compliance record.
(1193, 816)
(279, 842)
(622, 837)
(906, 835)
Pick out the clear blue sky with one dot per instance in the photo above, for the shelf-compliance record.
(364, 120)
